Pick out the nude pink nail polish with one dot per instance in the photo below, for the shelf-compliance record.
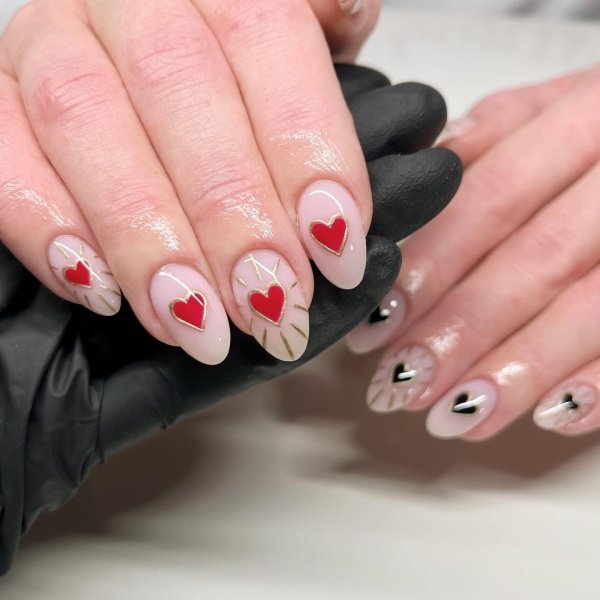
(351, 6)
(381, 325)
(333, 233)
(271, 300)
(566, 407)
(400, 379)
(84, 274)
(462, 409)
(191, 312)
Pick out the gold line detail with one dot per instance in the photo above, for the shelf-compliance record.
(276, 267)
(241, 281)
(109, 289)
(293, 285)
(251, 323)
(81, 248)
(301, 307)
(255, 265)
(88, 301)
(106, 273)
(264, 339)
(62, 250)
(375, 397)
(299, 330)
(287, 345)
(104, 301)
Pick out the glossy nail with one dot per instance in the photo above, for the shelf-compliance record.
(565, 406)
(400, 379)
(333, 233)
(351, 6)
(380, 326)
(271, 300)
(191, 312)
(462, 409)
(84, 274)
(455, 129)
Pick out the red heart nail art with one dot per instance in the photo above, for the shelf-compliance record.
(79, 275)
(191, 310)
(269, 304)
(332, 236)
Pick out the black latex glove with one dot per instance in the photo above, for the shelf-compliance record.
(75, 387)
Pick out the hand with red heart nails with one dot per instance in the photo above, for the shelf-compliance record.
(72, 380)
(177, 190)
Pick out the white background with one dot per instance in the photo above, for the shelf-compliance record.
(295, 491)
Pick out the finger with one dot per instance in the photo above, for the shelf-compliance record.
(499, 193)
(346, 24)
(174, 69)
(41, 224)
(508, 381)
(84, 121)
(512, 285)
(305, 132)
(404, 118)
(572, 407)
(500, 114)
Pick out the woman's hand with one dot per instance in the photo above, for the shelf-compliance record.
(497, 307)
(193, 153)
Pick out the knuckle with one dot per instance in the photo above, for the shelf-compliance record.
(73, 91)
(260, 21)
(227, 192)
(171, 55)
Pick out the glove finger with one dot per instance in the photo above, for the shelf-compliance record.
(146, 396)
(356, 80)
(400, 119)
(408, 191)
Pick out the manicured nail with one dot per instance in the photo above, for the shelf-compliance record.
(565, 406)
(400, 379)
(333, 233)
(455, 129)
(84, 274)
(351, 6)
(191, 312)
(462, 409)
(380, 326)
(271, 300)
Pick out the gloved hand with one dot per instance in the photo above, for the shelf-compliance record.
(75, 387)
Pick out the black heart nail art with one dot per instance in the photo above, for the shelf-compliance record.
(379, 315)
(402, 373)
(568, 402)
(463, 406)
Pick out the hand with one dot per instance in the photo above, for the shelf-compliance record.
(192, 153)
(76, 387)
(498, 304)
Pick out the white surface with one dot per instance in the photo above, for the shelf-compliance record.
(294, 491)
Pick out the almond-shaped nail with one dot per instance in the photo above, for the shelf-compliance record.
(84, 274)
(333, 233)
(400, 379)
(351, 7)
(381, 325)
(565, 406)
(191, 312)
(462, 409)
(270, 298)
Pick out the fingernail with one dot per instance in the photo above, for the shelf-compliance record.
(380, 326)
(462, 409)
(351, 6)
(271, 300)
(565, 406)
(191, 312)
(84, 274)
(455, 129)
(400, 379)
(333, 233)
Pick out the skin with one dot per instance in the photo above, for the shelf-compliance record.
(505, 285)
(173, 131)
